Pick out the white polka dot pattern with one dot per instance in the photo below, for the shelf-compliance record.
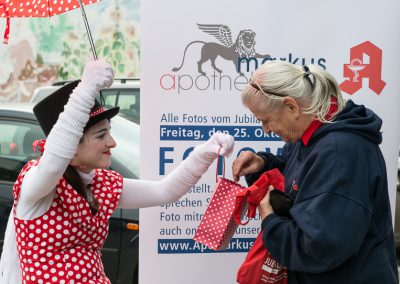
(40, 8)
(218, 226)
(63, 245)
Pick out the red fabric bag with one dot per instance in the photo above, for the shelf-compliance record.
(218, 225)
(259, 265)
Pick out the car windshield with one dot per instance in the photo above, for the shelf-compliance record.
(127, 136)
(128, 101)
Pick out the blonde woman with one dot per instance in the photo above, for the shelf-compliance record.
(340, 226)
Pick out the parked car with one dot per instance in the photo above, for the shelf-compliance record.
(19, 128)
(124, 93)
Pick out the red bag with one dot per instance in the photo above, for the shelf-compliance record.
(218, 225)
(259, 265)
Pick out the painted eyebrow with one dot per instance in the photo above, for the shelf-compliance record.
(99, 131)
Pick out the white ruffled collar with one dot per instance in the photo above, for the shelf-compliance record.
(87, 178)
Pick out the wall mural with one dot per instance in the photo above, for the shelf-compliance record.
(42, 51)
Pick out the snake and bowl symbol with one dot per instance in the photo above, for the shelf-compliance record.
(355, 66)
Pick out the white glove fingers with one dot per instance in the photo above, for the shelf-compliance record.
(218, 143)
(225, 143)
(97, 75)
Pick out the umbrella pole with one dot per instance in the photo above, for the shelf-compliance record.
(102, 102)
(88, 30)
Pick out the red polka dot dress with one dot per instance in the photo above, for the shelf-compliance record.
(63, 245)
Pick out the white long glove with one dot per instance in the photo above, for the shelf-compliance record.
(142, 193)
(219, 143)
(204, 154)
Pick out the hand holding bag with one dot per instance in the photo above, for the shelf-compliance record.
(256, 192)
(217, 225)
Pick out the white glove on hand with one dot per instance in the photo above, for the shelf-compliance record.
(97, 75)
(189, 172)
(207, 152)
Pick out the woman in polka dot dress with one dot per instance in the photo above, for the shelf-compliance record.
(63, 201)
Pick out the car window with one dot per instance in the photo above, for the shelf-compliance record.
(110, 97)
(16, 146)
(127, 151)
(128, 101)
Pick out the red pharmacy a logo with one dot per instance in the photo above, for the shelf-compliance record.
(358, 69)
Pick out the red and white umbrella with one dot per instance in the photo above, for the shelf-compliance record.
(40, 9)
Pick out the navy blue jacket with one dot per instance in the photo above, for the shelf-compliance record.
(341, 226)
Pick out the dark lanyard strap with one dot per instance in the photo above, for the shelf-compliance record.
(223, 165)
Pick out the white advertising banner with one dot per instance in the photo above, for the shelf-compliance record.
(197, 56)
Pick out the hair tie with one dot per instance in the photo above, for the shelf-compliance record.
(307, 74)
(306, 70)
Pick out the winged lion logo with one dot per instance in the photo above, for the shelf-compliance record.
(243, 47)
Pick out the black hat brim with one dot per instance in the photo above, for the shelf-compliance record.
(108, 114)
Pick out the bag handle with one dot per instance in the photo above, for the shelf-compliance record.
(240, 202)
(223, 165)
